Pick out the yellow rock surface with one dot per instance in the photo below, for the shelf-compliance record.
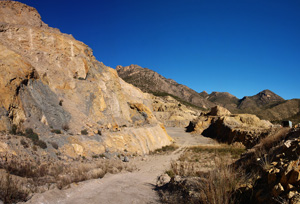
(50, 80)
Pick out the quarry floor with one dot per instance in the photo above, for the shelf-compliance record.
(130, 187)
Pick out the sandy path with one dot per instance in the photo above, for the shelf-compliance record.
(134, 188)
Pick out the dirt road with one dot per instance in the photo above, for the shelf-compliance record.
(129, 188)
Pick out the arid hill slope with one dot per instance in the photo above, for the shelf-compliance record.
(152, 82)
(266, 104)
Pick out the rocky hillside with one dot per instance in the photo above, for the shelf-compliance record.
(51, 83)
(152, 82)
(224, 99)
(266, 104)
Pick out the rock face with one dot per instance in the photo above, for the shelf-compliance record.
(173, 113)
(151, 82)
(49, 80)
(219, 123)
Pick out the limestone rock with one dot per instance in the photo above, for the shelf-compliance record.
(126, 159)
(172, 113)
(295, 199)
(49, 81)
(294, 176)
(280, 169)
(163, 180)
(277, 190)
(231, 128)
(219, 111)
(18, 13)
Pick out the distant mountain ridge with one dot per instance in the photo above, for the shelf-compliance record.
(152, 82)
(266, 104)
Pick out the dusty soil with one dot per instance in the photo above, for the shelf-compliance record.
(130, 187)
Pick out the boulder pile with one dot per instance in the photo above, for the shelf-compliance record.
(277, 170)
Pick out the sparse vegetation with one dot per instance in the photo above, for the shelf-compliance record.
(41, 144)
(54, 145)
(13, 130)
(206, 176)
(178, 99)
(211, 174)
(65, 127)
(84, 132)
(21, 177)
(29, 133)
(165, 149)
(24, 143)
(56, 131)
(220, 150)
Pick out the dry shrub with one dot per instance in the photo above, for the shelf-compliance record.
(207, 176)
(165, 149)
(272, 140)
(11, 190)
(263, 153)
(58, 173)
(221, 150)
(77, 172)
(217, 186)
(220, 185)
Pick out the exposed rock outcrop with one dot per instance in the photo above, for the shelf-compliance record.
(173, 113)
(275, 161)
(219, 123)
(50, 81)
(219, 111)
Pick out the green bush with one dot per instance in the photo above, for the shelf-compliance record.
(41, 144)
(13, 130)
(84, 132)
(24, 143)
(31, 135)
(170, 173)
(56, 131)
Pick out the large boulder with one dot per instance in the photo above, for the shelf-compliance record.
(219, 111)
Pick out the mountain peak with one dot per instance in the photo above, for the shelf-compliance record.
(267, 96)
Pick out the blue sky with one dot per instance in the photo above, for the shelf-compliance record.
(236, 46)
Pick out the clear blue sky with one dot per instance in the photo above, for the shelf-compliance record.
(237, 46)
